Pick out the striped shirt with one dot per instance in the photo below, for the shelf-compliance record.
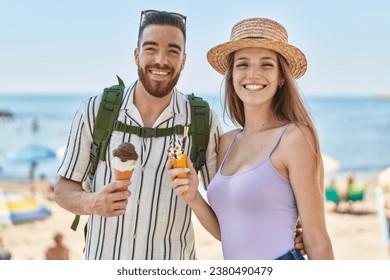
(157, 224)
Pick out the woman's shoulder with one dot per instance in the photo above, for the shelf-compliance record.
(298, 143)
(224, 144)
(298, 133)
(228, 137)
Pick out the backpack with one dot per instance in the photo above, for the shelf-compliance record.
(106, 122)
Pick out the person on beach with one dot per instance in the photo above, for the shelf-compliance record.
(332, 194)
(149, 222)
(5, 254)
(59, 251)
(270, 169)
(386, 210)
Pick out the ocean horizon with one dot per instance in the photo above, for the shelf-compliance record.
(355, 130)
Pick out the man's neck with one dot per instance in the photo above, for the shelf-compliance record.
(149, 107)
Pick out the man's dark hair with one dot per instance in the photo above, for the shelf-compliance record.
(161, 18)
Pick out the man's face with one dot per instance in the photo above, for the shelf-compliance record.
(160, 59)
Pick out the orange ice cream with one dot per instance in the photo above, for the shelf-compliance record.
(176, 152)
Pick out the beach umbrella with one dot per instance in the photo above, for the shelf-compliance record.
(384, 177)
(18, 208)
(330, 164)
(31, 154)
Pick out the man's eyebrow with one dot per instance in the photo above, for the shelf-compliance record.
(173, 45)
(149, 43)
(176, 46)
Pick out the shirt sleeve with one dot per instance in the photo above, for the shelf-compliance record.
(210, 168)
(75, 163)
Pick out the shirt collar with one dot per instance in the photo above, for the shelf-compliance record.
(176, 106)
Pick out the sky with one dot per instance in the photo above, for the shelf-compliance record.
(79, 46)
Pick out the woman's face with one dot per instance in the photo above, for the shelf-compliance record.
(256, 75)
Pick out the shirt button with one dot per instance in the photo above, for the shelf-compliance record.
(138, 201)
(143, 168)
(134, 236)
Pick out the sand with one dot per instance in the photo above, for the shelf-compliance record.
(355, 234)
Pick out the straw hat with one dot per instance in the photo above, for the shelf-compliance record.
(258, 32)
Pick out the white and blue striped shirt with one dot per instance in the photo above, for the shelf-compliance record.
(157, 224)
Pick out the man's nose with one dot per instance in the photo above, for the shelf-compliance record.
(161, 58)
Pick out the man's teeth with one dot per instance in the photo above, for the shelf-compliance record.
(253, 87)
(161, 73)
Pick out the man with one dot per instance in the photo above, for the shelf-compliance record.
(148, 221)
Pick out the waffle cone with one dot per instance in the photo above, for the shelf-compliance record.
(123, 175)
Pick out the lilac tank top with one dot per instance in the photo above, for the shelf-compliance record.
(256, 210)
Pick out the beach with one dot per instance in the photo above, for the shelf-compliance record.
(357, 138)
(355, 235)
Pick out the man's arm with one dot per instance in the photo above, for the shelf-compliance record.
(107, 202)
(298, 241)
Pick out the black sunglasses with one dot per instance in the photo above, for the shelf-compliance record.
(146, 12)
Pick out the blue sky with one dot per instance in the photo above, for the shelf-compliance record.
(79, 46)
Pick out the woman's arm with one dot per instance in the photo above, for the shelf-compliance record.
(187, 189)
(307, 184)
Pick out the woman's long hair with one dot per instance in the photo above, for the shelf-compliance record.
(287, 104)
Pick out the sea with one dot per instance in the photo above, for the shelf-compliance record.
(354, 130)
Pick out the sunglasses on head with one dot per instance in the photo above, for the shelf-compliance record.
(146, 12)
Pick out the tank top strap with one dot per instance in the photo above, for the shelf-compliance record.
(230, 147)
(277, 140)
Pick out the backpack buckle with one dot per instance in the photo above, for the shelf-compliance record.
(94, 151)
(200, 158)
(148, 132)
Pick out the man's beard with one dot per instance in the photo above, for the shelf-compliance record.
(157, 88)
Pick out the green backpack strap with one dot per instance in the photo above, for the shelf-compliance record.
(146, 132)
(107, 114)
(199, 130)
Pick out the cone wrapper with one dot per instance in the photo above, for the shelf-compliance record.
(181, 163)
(123, 175)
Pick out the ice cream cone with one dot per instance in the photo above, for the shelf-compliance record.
(182, 162)
(123, 175)
(178, 163)
(176, 152)
(123, 162)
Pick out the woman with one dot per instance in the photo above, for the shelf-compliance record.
(270, 169)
